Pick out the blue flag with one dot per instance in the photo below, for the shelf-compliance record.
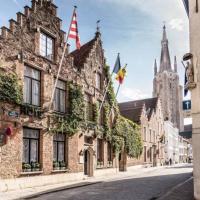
(186, 4)
(117, 66)
(185, 89)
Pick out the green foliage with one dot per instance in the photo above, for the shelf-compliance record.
(71, 123)
(124, 133)
(107, 128)
(10, 90)
(127, 135)
(133, 142)
(76, 100)
(96, 112)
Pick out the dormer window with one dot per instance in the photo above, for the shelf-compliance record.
(46, 46)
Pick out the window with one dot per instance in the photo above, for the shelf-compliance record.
(88, 108)
(31, 86)
(145, 154)
(154, 136)
(100, 150)
(109, 151)
(150, 135)
(60, 97)
(145, 134)
(150, 154)
(31, 139)
(98, 81)
(59, 147)
(46, 46)
(101, 115)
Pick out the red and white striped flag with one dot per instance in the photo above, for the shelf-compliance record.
(73, 33)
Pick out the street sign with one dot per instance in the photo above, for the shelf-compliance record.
(13, 114)
(187, 105)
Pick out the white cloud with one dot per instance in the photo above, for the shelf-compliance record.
(133, 94)
(177, 24)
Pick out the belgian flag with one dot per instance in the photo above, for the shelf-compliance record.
(121, 75)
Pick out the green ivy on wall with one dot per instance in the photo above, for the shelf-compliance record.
(10, 90)
(71, 122)
(126, 134)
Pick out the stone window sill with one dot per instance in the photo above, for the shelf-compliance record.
(100, 167)
(59, 171)
(31, 173)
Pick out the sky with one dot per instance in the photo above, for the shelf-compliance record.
(132, 28)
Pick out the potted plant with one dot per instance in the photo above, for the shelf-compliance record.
(37, 166)
(62, 165)
(98, 164)
(56, 165)
(110, 163)
(33, 165)
(26, 167)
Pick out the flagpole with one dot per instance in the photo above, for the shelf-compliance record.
(61, 61)
(104, 96)
(114, 99)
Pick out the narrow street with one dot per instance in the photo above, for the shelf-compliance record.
(147, 186)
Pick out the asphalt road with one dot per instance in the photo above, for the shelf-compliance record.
(149, 186)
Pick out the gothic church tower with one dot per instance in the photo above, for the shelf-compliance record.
(166, 86)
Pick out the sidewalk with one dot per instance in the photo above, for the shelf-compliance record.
(183, 191)
(100, 176)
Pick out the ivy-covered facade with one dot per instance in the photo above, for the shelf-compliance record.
(71, 134)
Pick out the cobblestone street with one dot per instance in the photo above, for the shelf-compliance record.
(162, 183)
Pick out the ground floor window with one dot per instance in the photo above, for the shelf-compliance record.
(109, 154)
(31, 142)
(100, 152)
(150, 154)
(145, 154)
(59, 151)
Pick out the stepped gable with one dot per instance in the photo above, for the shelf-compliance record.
(80, 55)
(133, 109)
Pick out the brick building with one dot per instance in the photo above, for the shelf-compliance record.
(148, 114)
(31, 48)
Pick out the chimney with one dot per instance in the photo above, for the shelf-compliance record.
(4, 31)
(20, 18)
(27, 11)
(12, 25)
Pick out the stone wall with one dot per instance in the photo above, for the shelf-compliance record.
(19, 46)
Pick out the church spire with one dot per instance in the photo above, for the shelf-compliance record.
(165, 63)
(155, 68)
(175, 64)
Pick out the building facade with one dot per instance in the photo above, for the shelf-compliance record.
(30, 51)
(148, 114)
(166, 86)
(192, 8)
(184, 150)
(171, 143)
